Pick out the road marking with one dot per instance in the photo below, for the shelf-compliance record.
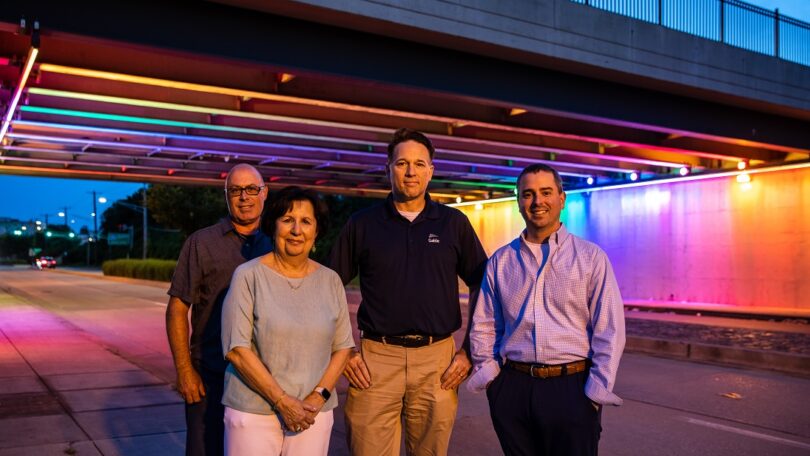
(756, 435)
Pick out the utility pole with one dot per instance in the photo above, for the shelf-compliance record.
(145, 227)
(95, 230)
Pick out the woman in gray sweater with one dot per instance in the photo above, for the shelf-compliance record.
(286, 333)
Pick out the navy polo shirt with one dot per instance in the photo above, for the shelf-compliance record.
(409, 270)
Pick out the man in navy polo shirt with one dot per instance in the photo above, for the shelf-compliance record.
(200, 283)
(409, 252)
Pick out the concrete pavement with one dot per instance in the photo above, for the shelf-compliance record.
(65, 389)
(63, 392)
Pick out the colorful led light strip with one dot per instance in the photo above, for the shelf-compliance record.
(200, 109)
(116, 117)
(386, 112)
(672, 180)
(222, 153)
(298, 120)
(12, 107)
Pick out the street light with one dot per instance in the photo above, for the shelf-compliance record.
(101, 200)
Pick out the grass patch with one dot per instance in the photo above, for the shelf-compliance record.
(149, 269)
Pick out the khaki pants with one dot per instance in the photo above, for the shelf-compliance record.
(405, 386)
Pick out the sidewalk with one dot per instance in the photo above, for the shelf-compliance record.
(61, 392)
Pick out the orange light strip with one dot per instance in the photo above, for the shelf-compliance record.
(12, 107)
(247, 94)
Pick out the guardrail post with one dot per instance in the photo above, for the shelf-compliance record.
(776, 33)
(660, 14)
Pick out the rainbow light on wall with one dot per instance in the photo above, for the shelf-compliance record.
(668, 180)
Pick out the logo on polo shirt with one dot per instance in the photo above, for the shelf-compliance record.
(433, 238)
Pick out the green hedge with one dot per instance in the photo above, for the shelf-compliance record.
(140, 269)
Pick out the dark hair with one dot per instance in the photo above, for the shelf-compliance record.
(282, 201)
(406, 134)
(536, 168)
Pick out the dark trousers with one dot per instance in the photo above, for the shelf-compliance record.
(552, 416)
(205, 431)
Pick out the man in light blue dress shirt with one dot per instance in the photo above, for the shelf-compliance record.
(547, 331)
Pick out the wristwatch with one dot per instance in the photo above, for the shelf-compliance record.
(325, 394)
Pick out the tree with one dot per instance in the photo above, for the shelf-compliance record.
(340, 209)
(186, 208)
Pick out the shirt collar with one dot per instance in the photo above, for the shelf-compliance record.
(556, 238)
(226, 226)
(431, 210)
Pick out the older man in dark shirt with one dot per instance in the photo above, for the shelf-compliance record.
(200, 283)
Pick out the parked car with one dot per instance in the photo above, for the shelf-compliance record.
(45, 262)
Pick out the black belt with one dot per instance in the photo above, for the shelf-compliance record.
(408, 340)
(546, 371)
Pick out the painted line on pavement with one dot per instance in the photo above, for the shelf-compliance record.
(756, 435)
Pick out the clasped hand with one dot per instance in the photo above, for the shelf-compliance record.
(298, 415)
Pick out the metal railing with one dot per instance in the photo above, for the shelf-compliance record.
(733, 22)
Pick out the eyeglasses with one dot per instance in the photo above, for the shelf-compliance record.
(251, 190)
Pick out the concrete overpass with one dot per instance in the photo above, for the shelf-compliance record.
(309, 91)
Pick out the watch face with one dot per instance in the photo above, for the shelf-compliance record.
(326, 394)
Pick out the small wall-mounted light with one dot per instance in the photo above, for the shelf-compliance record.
(517, 111)
(741, 165)
(683, 171)
(170, 172)
(285, 77)
(634, 176)
(590, 180)
(743, 178)
(459, 199)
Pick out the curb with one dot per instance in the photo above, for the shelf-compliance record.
(95, 275)
(717, 354)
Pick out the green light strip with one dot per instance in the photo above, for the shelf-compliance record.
(195, 109)
(169, 123)
(474, 184)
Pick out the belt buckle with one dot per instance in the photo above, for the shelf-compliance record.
(542, 371)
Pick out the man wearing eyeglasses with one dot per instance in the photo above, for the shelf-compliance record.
(200, 283)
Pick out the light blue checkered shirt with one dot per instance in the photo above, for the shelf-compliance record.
(567, 310)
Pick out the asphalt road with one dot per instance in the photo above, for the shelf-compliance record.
(670, 407)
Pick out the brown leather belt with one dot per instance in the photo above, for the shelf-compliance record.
(408, 340)
(546, 371)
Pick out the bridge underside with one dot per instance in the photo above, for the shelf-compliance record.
(181, 92)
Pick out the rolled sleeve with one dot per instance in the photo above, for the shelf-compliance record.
(237, 313)
(485, 333)
(608, 333)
